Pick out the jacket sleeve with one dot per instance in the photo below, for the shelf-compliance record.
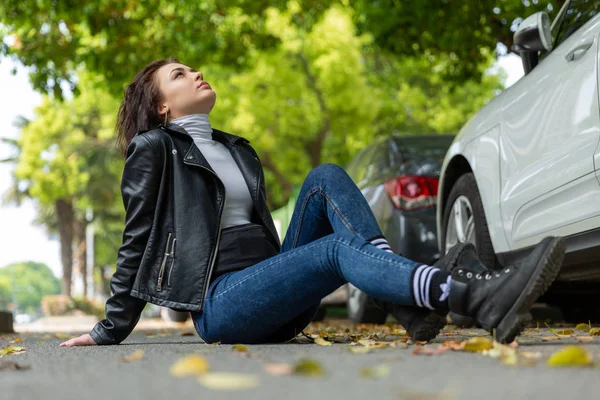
(139, 188)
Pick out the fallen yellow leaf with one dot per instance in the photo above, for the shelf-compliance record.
(239, 347)
(359, 350)
(308, 367)
(11, 350)
(478, 344)
(228, 381)
(190, 365)
(135, 356)
(17, 340)
(564, 332)
(595, 332)
(378, 372)
(60, 335)
(570, 356)
(322, 342)
(583, 327)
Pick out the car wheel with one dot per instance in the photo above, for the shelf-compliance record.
(362, 309)
(174, 316)
(464, 222)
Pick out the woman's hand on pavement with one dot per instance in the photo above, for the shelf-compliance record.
(83, 340)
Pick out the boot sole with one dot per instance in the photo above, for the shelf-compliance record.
(429, 328)
(518, 317)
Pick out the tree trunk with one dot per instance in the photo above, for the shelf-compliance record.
(81, 252)
(64, 216)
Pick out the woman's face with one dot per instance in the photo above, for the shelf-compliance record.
(184, 91)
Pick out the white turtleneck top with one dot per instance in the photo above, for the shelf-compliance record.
(238, 204)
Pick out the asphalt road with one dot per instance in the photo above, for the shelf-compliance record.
(99, 373)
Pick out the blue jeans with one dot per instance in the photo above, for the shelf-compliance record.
(325, 246)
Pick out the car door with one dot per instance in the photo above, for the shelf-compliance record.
(549, 135)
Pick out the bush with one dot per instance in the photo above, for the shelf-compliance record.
(90, 307)
(59, 305)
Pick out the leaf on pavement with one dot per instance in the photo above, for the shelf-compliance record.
(359, 350)
(60, 335)
(228, 381)
(135, 356)
(478, 344)
(550, 338)
(322, 342)
(565, 332)
(11, 350)
(11, 365)
(570, 356)
(595, 332)
(455, 345)
(430, 351)
(190, 365)
(378, 372)
(17, 340)
(239, 347)
(373, 344)
(188, 333)
(583, 327)
(308, 367)
(278, 368)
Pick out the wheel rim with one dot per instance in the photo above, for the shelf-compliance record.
(461, 224)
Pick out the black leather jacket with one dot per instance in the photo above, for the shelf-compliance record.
(174, 203)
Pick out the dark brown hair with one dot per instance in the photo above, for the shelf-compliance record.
(139, 109)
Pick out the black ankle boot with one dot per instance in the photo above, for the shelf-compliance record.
(468, 255)
(423, 324)
(501, 299)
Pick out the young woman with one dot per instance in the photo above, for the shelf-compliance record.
(199, 237)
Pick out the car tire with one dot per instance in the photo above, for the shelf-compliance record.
(465, 190)
(174, 316)
(362, 309)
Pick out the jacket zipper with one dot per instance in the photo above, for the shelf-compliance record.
(161, 271)
(214, 255)
(172, 261)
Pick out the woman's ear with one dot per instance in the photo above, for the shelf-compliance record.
(163, 109)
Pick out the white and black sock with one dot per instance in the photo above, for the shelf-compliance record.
(430, 287)
(381, 243)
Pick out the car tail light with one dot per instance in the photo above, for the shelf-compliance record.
(412, 192)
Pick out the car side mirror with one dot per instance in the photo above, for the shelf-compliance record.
(532, 36)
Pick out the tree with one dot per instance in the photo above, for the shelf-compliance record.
(325, 93)
(28, 283)
(116, 38)
(69, 164)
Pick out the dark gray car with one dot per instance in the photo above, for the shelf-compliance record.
(398, 176)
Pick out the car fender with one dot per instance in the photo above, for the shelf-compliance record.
(476, 149)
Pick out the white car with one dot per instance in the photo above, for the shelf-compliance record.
(527, 165)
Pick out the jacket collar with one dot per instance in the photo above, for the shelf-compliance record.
(223, 137)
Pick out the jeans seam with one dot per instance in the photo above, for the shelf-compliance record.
(297, 232)
(303, 209)
(337, 211)
(302, 250)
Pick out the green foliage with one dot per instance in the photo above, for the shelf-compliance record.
(305, 81)
(28, 282)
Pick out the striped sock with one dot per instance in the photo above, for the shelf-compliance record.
(421, 283)
(381, 243)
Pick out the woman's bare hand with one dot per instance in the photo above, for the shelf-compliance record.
(83, 340)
